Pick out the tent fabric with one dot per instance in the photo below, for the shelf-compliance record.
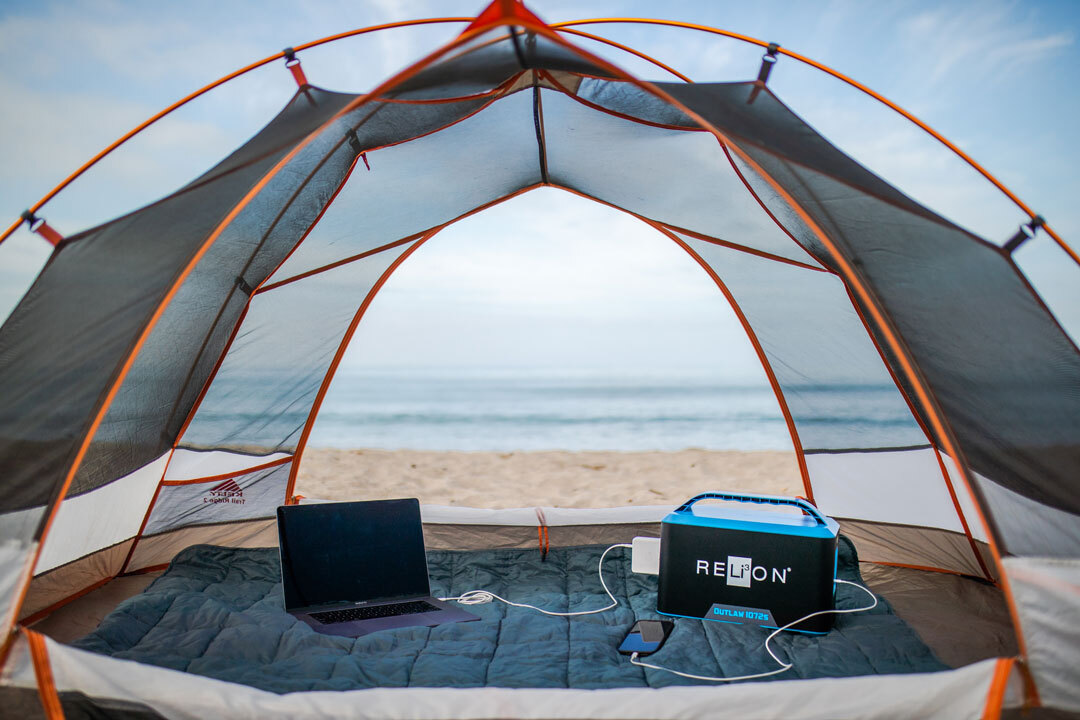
(153, 336)
(100, 519)
(183, 696)
(961, 621)
(264, 390)
(1046, 591)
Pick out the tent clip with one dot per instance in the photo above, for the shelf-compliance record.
(767, 61)
(293, 63)
(1025, 233)
(243, 285)
(354, 141)
(42, 228)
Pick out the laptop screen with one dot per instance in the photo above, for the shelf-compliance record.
(352, 552)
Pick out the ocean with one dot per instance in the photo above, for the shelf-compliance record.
(508, 410)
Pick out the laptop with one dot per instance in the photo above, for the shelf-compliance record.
(352, 568)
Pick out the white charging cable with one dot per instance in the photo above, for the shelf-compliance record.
(479, 597)
(784, 667)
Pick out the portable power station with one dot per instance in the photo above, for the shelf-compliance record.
(733, 564)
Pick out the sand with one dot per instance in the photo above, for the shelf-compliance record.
(550, 478)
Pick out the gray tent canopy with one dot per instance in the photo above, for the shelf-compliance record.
(190, 342)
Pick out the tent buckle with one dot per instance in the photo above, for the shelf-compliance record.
(42, 228)
(767, 61)
(293, 63)
(1023, 234)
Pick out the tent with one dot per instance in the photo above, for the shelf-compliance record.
(120, 366)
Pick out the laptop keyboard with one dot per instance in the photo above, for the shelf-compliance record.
(377, 611)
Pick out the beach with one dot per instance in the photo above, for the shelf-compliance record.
(585, 479)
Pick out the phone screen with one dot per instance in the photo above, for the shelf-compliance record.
(646, 637)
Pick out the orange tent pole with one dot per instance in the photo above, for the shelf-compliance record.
(301, 445)
(995, 696)
(628, 49)
(800, 456)
(39, 655)
(420, 239)
(942, 429)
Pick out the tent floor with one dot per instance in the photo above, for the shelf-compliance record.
(81, 616)
(960, 619)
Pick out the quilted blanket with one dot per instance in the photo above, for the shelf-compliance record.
(219, 612)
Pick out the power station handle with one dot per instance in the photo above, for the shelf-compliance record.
(759, 499)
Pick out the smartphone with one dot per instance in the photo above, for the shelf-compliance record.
(646, 637)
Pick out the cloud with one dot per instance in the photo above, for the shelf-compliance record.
(990, 39)
(553, 254)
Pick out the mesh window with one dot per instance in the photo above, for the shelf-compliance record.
(674, 176)
(419, 184)
(628, 99)
(177, 359)
(262, 395)
(837, 387)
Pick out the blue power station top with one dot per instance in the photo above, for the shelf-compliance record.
(812, 524)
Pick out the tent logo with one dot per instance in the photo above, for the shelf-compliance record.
(226, 492)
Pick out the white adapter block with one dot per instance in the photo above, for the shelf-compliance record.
(645, 555)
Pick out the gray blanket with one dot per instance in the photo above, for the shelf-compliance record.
(218, 612)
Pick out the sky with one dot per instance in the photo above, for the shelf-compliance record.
(549, 279)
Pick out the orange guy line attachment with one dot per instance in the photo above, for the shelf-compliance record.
(42, 228)
(293, 63)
